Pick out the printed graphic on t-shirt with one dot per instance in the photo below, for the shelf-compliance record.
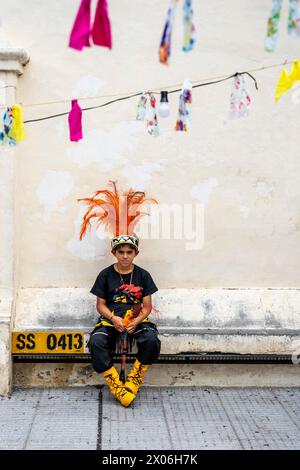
(128, 294)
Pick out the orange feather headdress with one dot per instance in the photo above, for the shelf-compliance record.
(119, 213)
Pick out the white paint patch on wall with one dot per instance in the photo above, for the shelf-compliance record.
(92, 245)
(203, 190)
(245, 211)
(106, 147)
(52, 190)
(87, 86)
(139, 176)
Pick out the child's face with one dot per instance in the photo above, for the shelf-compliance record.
(125, 255)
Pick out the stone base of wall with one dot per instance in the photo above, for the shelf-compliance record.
(215, 375)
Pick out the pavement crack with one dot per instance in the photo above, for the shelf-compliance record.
(166, 420)
(33, 419)
(230, 421)
(100, 413)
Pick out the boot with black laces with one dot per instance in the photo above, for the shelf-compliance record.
(117, 387)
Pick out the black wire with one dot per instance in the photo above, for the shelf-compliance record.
(139, 94)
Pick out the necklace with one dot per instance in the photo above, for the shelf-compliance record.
(122, 280)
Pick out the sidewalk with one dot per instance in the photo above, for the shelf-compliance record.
(187, 418)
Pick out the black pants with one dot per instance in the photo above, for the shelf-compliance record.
(103, 345)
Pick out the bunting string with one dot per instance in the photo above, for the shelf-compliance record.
(129, 95)
(154, 90)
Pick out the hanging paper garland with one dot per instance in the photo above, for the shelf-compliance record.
(147, 108)
(293, 26)
(188, 26)
(75, 124)
(165, 43)
(184, 108)
(80, 33)
(12, 125)
(100, 31)
(189, 30)
(17, 132)
(141, 109)
(294, 18)
(239, 100)
(7, 121)
(287, 80)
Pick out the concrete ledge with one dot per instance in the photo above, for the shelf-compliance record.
(191, 320)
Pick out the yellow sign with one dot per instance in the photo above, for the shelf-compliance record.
(46, 342)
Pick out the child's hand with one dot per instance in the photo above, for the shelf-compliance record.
(118, 323)
(132, 325)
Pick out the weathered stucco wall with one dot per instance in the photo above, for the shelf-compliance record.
(245, 172)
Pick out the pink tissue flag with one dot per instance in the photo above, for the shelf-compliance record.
(82, 29)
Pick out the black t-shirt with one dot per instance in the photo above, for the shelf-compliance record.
(108, 286)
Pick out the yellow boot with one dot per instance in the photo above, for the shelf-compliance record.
(135, 378)
(117, 388)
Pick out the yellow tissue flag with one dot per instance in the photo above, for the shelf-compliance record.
(17, 131)
(287, 80)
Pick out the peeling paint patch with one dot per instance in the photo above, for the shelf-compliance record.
(203, 190)
(106, 147)
(245, 211)
(91, 246)
(52, 190)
